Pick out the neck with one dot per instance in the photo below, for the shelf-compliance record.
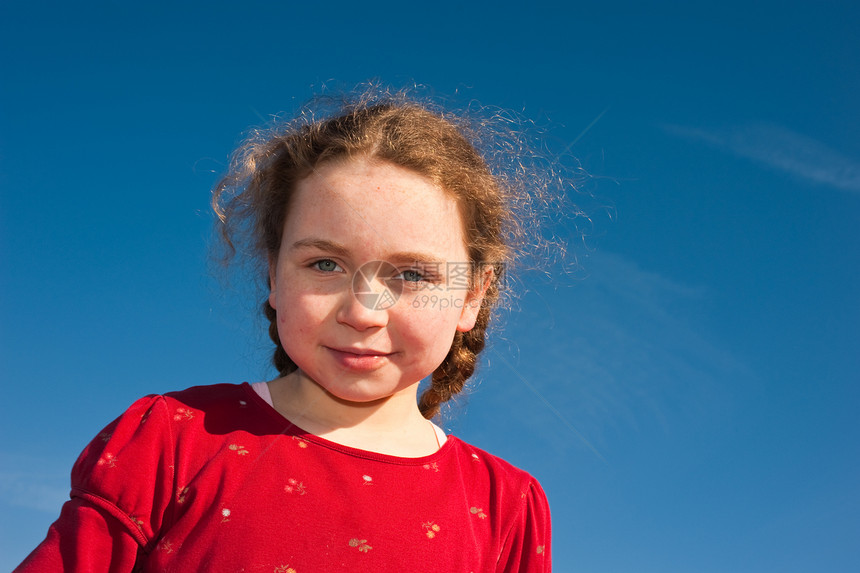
(391, 425)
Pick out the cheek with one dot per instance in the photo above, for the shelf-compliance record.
(432, 323)
(298, 313)
(291, 327)
(288, 330)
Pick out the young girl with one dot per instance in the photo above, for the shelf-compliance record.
(335, 465)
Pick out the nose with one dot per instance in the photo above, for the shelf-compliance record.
(363, 311)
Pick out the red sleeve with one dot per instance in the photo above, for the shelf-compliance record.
(527, 547)
(83, 539)
(122, 487)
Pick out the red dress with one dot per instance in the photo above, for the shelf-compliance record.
(214, 479)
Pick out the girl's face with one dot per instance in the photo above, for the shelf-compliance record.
(336, 316)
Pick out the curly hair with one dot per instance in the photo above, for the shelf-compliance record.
(253, 198)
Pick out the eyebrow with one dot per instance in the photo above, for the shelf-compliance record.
(414, 257)
(341, 250)
(321, 244)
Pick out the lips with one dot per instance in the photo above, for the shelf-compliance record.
(359, 359)
(362, 351)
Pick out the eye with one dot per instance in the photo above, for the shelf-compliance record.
(412, 276)
(326, 266)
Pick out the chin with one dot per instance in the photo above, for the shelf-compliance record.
(359, 390)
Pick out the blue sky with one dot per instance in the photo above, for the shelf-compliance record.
(687, 396)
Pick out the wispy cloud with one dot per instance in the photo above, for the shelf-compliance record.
(624, 350)
(781, 149)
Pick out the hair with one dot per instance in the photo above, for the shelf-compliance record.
(252, 199)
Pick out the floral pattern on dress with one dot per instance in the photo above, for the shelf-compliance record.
(241, 450)
(295, 486)
(183, 414)
(301, 443)
(291, 458)
(145, 415)
(478, 512)
(361, 544)
(431, 529)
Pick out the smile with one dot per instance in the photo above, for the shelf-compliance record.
(359, 358)
(362, 351)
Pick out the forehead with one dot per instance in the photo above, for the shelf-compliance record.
(374, 205)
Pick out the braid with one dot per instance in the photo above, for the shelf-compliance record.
(450, 377)
(282, 362)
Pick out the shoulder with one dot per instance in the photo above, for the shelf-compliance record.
(155, 424)
(515, 500)
(493, 465)
(505, 479)
(130, 468)
(213, 395)
(209, 395)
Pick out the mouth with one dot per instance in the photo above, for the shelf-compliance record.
(362, 359)
(361, 351)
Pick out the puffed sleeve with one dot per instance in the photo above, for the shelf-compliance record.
(122, 488)
(527, 547)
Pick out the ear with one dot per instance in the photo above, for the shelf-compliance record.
(273, 272)
(472, 303)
